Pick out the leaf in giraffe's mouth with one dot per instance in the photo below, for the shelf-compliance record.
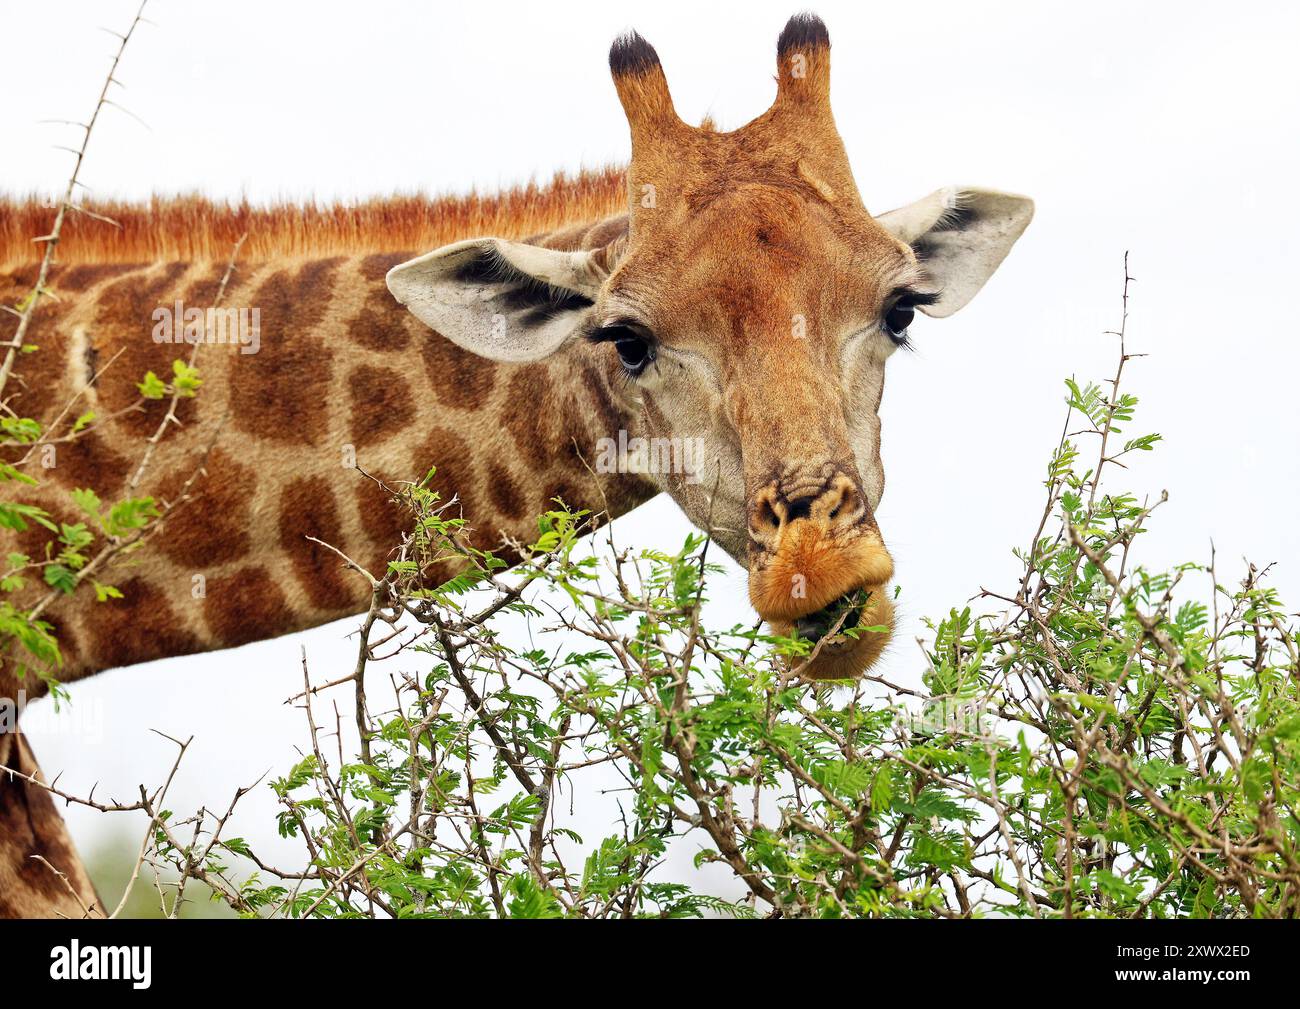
(816, 626)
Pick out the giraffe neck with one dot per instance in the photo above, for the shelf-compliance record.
(343, 380)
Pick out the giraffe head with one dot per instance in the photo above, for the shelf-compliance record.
(750, 302)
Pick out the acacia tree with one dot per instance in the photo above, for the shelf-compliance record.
(1115, 742)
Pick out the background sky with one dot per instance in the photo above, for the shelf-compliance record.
(1165, 129)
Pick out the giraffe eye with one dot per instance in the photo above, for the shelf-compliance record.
(898, 318)
(902, 310)
(634, 346)
(635, 353)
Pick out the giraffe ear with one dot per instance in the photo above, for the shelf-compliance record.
(960, 236)
(503, 300)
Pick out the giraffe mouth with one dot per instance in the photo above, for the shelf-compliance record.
(833, 619)
(839, 615)
(847, 635)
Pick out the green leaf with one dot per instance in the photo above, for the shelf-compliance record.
(59, 577)
(152, 387)
(528, 900)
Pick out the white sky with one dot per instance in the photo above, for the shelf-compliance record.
(1166, 129)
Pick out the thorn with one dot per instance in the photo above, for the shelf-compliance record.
(91, 213)
(109, 101)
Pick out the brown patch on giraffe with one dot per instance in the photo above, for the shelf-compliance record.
(203, 291)
(308, 508)
(140, 626)
(381, 404)
(84, 276)
(609, 420)
(282, 392)
(376, 266)
(123, 333)
(39, 383)
(459, 378)
(383, 521)
(32, 540)
(504, 493)
(38, 386)
(383, 324)
(89, 462)
(575, 448)
(30, 824)
(574, 494)
(211, 527)
(549, 428)
(525, 413)
(245, 606)
(21, 278)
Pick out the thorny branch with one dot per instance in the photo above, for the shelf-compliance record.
(51, 240)
(1106, 746)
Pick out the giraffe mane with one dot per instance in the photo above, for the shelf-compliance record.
(195, 228)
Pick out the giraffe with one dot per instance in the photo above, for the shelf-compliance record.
(731, 289)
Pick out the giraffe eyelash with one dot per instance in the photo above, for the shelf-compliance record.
(913, 297)
(605, 332)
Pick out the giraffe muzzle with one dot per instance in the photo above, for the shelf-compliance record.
(846, 636)
(819, 570)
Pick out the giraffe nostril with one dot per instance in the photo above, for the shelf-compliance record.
(800, 507)
(845, 507)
